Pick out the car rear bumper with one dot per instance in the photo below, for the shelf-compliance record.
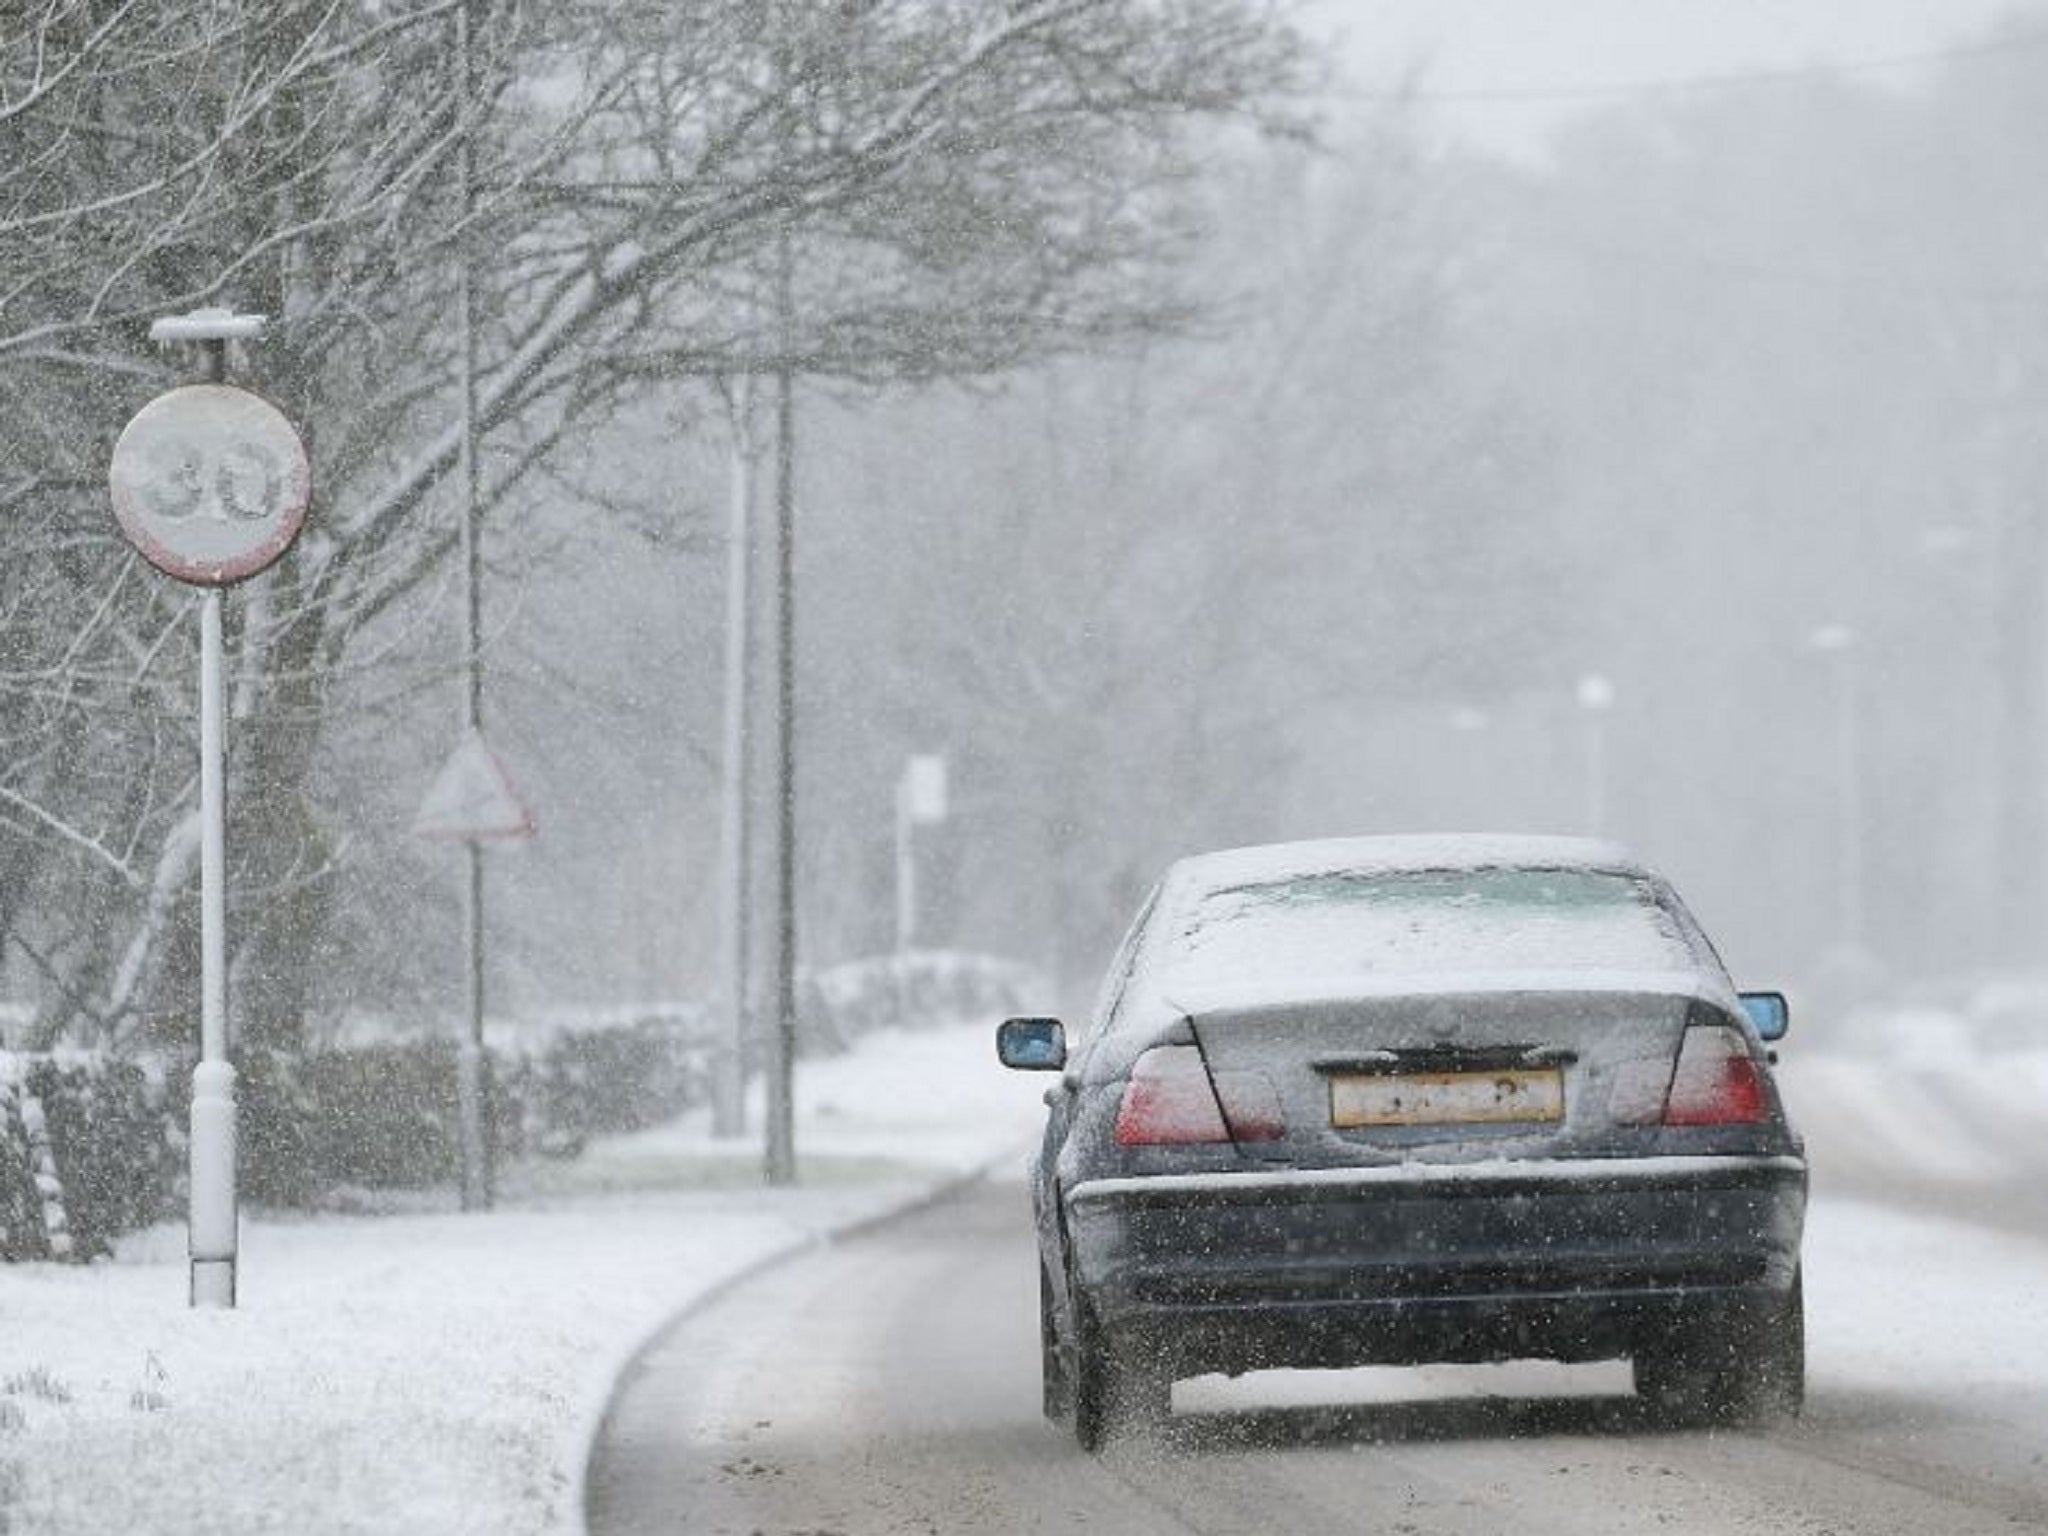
(1410, 1263)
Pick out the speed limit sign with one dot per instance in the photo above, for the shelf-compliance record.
(211, 483)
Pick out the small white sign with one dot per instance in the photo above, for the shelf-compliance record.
(924, 788)
(472, 797)
(210, 483)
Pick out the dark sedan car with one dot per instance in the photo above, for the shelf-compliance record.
(1399, 1100)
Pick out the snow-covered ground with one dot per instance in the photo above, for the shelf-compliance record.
(1951, 1130)
(442, 1373)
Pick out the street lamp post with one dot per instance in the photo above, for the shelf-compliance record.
(728, 1085)
(779, 1091)
(1596, 698)
(1838, 643)
(920, 801)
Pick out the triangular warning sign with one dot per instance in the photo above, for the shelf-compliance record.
(472, 797)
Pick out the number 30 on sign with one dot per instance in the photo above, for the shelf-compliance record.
(210, 483)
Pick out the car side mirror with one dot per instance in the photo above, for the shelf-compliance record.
(1032, 1045)
(1769, 1012)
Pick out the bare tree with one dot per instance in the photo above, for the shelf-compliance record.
(1160, 596)
(963, 190)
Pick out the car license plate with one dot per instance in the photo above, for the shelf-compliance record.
(1515, 1095)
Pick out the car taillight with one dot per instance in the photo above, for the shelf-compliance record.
(1168, 1101)
(1718, 1081)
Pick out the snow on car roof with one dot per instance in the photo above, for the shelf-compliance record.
(1396, 853)
(1399, 915)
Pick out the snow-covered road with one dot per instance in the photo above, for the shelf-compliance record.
(890, 1385)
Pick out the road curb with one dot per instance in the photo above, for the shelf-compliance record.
(634, 1356)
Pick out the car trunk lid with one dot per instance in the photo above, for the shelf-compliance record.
(1443, 1075)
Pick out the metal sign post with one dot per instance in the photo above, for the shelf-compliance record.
(472, 801)
(211, 484)
(214, 1239)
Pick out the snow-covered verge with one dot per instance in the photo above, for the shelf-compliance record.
(1926, 1124)
(439, 1372)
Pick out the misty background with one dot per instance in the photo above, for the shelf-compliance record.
(1733, 403)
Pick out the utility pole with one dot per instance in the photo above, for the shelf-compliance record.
(473, 1066)
(779, 1140)
(728, 1087)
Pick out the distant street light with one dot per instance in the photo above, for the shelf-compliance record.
(1596, 698)
(1838, 643)
(1942, 541)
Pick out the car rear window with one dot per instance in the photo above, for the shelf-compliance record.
(1431, 922)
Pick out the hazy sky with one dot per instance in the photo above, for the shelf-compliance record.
(1536, 53)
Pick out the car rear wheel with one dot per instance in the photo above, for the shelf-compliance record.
(1778, 1390)
(1115, 1397)
(1751, 1374)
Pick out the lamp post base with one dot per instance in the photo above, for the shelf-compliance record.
(214, 1229)
(213, 1282)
